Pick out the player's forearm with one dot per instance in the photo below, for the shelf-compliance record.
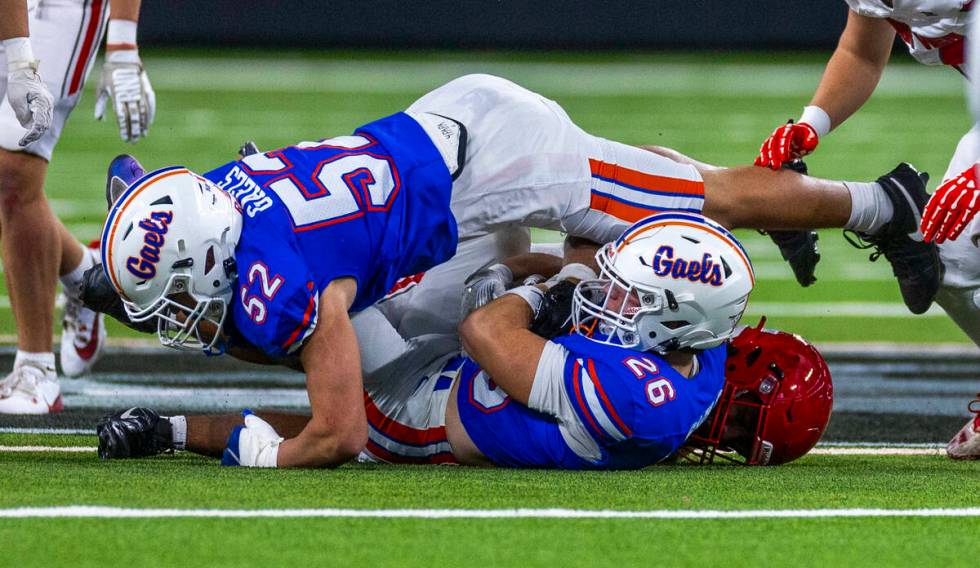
(855, 68)
(525, 265)
(14, 21)
(577, 250)
(337, 431)
(124, 10)
(497, 337)
(208, 435)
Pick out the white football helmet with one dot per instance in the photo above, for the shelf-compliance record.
(168, 248)
(671, 281)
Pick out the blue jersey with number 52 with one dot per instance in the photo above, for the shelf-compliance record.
(373, 206)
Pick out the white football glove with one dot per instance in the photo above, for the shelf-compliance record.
(124, 81)
(256, 444)
(484, 286)
(28, 95)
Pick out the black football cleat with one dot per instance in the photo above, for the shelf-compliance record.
(134, 433)
(798, 248)
(915, 263)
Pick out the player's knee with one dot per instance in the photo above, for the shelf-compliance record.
(722, 201)
(21, 181)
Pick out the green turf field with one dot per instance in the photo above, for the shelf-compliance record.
(190, 483)
(713, 107)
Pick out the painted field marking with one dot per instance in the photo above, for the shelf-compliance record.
(835, 450)
(46, 449)
(877, 451)
(129, 513)
(44, 431)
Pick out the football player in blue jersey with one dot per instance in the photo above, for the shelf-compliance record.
(266, 257)
(643, 369)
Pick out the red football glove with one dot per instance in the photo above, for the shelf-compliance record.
(787, 143)
(952, 207)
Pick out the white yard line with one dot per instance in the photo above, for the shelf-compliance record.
(128, 513)
(46, 449)
(877, 451)
(836, 449)
(35, 431)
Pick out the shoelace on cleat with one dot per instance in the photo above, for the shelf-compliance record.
(856, 240)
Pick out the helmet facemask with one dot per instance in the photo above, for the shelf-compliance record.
(735, 431)
(775, 404)
(184, 322)
(609, 308)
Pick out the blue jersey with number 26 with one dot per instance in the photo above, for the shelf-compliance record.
(619, 409)
(373, 206)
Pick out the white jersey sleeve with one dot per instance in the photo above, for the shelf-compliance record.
(548, 395)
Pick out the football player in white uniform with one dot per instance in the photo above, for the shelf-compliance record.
(37, 248)
(934, 31)
(961, 203)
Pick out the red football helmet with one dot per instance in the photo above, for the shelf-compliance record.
(775, 404)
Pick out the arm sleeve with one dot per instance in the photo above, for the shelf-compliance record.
(549, 396)
(548, 390)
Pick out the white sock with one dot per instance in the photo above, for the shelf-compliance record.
(72, 281)
(43, 360)
(870, 207)
(178, 426)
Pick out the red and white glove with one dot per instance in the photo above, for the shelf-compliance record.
(789, 142)
(952, 207)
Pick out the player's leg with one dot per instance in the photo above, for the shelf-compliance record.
(37, 249)
(31, 246)
(523, 162)
(760, 198)
(959, 295)
(885, 213)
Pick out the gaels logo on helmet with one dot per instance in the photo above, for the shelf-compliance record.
(705, 270)
(156, 226)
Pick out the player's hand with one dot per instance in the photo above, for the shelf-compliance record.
(124, 81)
(256, 444)
(484, 286)
(29, 97)
(554, 317)
(787, 143)
(952, 207)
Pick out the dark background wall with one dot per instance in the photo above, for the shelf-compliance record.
(513, 24)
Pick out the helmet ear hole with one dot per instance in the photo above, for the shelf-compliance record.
(209, 260)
